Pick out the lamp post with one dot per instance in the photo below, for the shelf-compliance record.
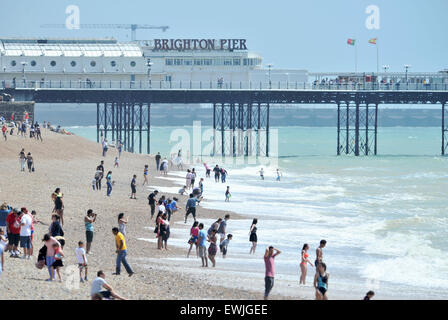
(149, 64)
(24, 63)
(269, 75)
(406, 66)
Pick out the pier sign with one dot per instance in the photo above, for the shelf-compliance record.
(200, 44)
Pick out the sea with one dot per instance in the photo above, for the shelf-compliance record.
(384, 217)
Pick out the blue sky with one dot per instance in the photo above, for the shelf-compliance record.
(295, 34)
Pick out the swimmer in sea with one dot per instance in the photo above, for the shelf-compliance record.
(262, 174)
(279, 174)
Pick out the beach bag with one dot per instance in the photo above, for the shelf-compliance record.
(32, 169)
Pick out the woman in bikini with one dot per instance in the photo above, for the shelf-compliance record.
(304, 262)
(213, 248)
(321, 282)
(194, 233)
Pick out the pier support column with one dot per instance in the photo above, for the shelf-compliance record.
(251, 123)
(359, 121)
(123, 120)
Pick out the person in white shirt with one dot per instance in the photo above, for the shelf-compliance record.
(25, 233)
(82, 260)
(161, 206)
(97, 292)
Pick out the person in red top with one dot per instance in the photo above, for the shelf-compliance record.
(269, 256)
(13, 225)
(4, 131)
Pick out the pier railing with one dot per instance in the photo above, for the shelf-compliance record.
(214, 85)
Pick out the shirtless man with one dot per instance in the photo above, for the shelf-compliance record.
(319, 253)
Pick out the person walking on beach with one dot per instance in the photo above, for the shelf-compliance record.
(269, 256)
(38, 133)
(119, 148)
(145, 175)
(81, 257)
(25, 233)
(194, 233)
(222, 228)
(253, 236)
(133, 187)
(97, 292)
(22, 160)
(321, 282)
(304, 263)
(99, 175)
(319, 253)
(202, 242)
(191, 207)
(29, 162)
(217, 172)
(109, 183)
(89, 219)
(105, 147)
(122, 222)
(152, 202)
(228, 194)
(158, 157)
(49, 258)
(121, 252)
(116, 162)
(213, 248)
(57, 264)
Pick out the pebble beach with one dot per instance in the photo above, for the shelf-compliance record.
(69, 162)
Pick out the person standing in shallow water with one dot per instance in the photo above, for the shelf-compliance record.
(321, 282)
(269, 256)
(253, 236)
(319, 253)
(303, 263)
(213, 248)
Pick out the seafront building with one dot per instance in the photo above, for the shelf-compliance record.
(95, 62)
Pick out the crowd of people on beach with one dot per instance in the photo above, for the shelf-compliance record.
(17, 227)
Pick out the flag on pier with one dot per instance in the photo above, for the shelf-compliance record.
(351, 42)
(372, 41)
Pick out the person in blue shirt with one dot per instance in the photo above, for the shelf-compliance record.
(4, 212)
(201, 185)
(202, 244)
(191, 207)
(173, 205)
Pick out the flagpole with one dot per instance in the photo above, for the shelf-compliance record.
(377, 61)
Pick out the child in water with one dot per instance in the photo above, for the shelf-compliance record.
(228, 195)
